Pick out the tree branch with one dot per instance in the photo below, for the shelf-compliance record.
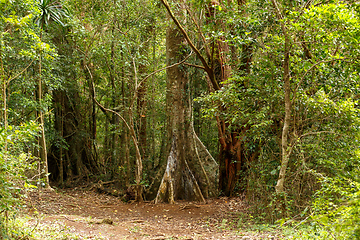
(162, 69)
(208, 70)
(104, 108)
(221, 132)
(12, 78)
(193, 65)
(315, 133)
(207, 51)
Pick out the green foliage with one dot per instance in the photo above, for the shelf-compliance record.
(335, 212)
(113, 42)
(20, 227)
(328, 149)
(324, 135)
(50, 10)
(20, 47)
(14, 163)
(337, 208)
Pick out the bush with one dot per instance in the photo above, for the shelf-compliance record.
(14, 162)
(337, 210)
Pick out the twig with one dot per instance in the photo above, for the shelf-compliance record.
(162, 69)
(68, 219)
(193, 65)
(28, 234)
(199, 30)
(189, 207)
(12, 78)
(300, 222)
(108, 182)
(313, 133)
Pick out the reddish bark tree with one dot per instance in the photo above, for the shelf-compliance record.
(233, 156)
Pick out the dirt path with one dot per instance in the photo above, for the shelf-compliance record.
(89, 215)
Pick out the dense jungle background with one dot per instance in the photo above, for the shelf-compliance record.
(185, 100)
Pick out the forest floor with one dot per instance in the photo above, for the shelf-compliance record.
(79, 214)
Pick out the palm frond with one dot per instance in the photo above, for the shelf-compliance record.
(50, 11)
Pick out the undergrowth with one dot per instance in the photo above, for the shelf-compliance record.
(29, 228)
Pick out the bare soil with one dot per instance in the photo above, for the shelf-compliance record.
(90, 215)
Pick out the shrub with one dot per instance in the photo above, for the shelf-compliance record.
(14, 162)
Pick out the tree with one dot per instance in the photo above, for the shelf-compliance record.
(178, 180)
(285, 151)
(233, 154)
(50, 11)
(314, 58)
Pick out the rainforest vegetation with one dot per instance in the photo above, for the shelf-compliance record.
(168, 100)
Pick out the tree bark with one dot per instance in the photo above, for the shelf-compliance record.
(127, 166)
(142, 96)
(285, 148)
(3, 83)
(42, 140)
(71, 156)
(179, 180)
(232, 156)
(285, 151)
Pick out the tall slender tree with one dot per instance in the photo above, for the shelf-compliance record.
(50, 11)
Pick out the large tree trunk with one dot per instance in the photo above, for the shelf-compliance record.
(179, 180)
(233, 156)
(230, 159)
